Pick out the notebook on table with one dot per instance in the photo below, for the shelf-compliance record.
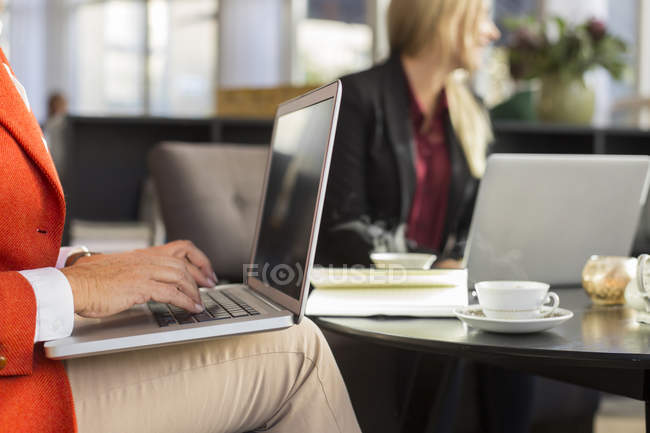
(387, 292)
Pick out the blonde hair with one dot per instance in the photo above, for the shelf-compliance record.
(451, 26)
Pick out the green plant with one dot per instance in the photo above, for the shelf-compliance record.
(555, 48)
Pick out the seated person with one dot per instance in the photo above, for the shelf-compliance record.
(54, 130)
(410, 149)
(412, 138)
(284, 381)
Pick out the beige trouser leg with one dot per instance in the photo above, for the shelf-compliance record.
(283, 381)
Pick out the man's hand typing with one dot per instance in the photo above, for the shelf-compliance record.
(103, 285)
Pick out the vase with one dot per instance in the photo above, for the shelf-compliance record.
(566, 100)
(519, 107)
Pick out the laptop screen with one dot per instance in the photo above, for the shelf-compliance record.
(299, 148)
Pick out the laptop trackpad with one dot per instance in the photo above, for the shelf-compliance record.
(137, 317)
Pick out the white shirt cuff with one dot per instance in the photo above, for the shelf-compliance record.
(66, 252)
(54, 303)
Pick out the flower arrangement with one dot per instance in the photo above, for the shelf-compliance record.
(539, 49)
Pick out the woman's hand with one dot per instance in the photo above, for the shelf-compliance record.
(103, 285)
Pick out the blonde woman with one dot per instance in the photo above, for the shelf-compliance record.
(412, 138)
(410, 149)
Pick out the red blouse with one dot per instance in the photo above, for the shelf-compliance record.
(433, 175)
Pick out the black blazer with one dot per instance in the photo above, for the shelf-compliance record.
(372, 177)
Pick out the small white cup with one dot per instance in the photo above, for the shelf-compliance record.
(515, 299)
(405, 260)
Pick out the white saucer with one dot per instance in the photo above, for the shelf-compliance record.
(474, 317)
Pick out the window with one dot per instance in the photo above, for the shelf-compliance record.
(334, 37)
(508, 8)
(183, 59)
(623, 21)
(4, 28)
(142, 57)
(643, 71)
(107, 45)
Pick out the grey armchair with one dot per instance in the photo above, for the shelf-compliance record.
(209, 194)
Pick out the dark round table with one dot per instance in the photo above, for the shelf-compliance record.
(601, 347)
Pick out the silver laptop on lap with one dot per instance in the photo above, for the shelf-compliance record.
(275, 289)
(540, 217)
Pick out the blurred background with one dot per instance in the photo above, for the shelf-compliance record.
(110, 79)
(171, 57)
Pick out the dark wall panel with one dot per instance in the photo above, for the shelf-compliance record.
(107, 162)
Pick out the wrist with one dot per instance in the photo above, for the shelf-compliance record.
(78, 288)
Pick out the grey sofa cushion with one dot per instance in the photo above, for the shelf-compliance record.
(209, 194)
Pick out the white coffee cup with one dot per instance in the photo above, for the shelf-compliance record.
(404, 260)
(515, 299)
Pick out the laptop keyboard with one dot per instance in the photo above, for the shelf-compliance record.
(218, 306)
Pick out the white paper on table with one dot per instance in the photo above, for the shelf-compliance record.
(365, 302)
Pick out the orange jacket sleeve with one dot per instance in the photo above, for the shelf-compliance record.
(26, 204)
(17, 323)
